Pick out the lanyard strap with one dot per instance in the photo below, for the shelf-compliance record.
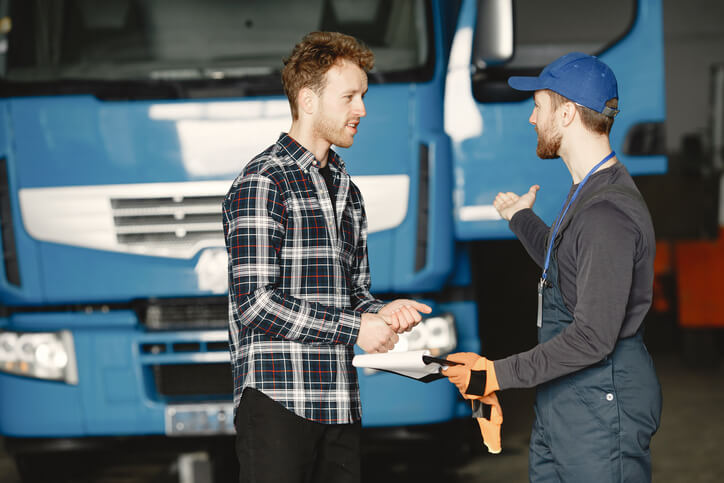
(564, 210)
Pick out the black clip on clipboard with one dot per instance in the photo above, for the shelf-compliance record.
(441, 361)
(437, 360)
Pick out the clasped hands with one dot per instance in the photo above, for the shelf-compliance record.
(378, 332)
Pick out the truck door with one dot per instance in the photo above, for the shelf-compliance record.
(493, 143)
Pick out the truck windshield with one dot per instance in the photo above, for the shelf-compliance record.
(54, 41)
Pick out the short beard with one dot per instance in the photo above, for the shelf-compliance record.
(325, 129)
(548, 148)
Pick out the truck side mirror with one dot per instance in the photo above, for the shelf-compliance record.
(492, 50)
(493, 41)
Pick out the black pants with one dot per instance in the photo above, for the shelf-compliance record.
(275, 445)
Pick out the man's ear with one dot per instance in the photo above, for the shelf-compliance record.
(307, 100)
(568, 113)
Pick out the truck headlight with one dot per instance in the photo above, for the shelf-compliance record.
(43, 355)
(436, 334)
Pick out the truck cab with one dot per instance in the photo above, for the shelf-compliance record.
(124, 122)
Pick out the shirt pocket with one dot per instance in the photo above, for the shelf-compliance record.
(306, 225)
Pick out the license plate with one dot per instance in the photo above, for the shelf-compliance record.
(200, 419)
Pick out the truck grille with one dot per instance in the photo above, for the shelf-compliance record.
(185, 314)
(209, 380)
(177, 223)
(187, 365)
(174, 220)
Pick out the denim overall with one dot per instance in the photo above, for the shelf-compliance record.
(594, 425)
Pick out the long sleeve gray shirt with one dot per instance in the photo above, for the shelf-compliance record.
(605, 262)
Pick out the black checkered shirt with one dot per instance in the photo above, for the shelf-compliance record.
(298, 283)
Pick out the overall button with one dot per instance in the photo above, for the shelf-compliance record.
(609, 397)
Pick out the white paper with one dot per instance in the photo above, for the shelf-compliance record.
(408, 363)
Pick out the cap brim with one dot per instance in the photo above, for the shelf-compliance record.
(525, 83)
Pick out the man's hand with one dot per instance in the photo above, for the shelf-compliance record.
(508, 204)
(467, 358)
(460, 375)
(404, 314)
(375, 335)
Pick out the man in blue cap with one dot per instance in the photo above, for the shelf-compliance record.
(598, 400)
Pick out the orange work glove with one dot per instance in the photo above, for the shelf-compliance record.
(490, 421)
(476, 380)
(460, 375)
(476, 377)
(467, 358)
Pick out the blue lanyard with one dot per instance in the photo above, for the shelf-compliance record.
(564, 210)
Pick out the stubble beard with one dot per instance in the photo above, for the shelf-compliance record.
(549, 143)
(325, 129)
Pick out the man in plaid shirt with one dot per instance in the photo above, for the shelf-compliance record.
(299, 280)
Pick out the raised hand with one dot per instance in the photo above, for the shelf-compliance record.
(508, 204)
(404, 314)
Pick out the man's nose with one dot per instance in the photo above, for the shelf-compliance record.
(360, 108)
(533, 118)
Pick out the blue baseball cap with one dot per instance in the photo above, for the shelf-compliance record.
(582, 78)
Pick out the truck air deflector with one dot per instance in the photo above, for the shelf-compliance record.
(174, 220)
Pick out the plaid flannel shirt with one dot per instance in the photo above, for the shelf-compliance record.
(298, 283)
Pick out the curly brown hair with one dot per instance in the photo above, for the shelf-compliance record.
(314, 56)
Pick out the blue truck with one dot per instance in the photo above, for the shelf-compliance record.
(123, 123)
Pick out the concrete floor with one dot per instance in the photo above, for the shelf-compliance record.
(687, 448)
